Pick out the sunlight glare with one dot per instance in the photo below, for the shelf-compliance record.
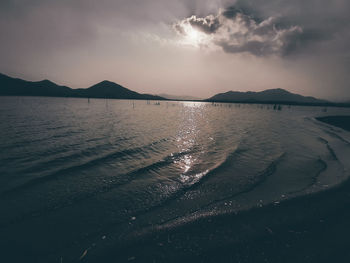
(194, 37)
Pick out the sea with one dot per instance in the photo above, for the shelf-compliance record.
(79, 173)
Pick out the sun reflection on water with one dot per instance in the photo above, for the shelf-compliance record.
(187, 140)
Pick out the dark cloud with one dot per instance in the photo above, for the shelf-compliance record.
(278, 27)
(236, 32)
(232, 11)
(324, 23)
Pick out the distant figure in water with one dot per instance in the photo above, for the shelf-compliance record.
(277, 107)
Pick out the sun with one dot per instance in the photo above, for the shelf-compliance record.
(194, 37)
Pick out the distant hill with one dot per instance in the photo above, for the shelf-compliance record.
(266, 96)
(176, 97)
(105, 89)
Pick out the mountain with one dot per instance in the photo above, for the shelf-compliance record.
(105, 89)
(176, 97)
(266, 96)
(18, 87)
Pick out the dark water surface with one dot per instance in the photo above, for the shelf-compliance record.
(75, 174)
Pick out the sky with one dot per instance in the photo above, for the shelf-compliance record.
(181, 47)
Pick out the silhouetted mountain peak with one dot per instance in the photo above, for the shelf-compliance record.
(47, 82)
(276, 91)
(107, 82)
(106, 85)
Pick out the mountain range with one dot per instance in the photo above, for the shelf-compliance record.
(105, 89)
(17, 87)
(266, 96)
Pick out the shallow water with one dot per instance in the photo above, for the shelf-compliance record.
(75, 173)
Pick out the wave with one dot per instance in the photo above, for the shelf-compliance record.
(314, 178)
(334, 135)
(257, 180)
(67, 172)
(332, 153)
(43, 138)
(330, 149)
(116, 182)
(203, 211)
(323, 140)
(127, 178)
(260, 178)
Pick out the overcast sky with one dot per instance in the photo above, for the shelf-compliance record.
(183, 47)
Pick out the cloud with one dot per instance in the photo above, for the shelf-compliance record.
(236, 31)
(207, 24)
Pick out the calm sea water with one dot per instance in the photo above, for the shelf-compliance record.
(76, 173)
